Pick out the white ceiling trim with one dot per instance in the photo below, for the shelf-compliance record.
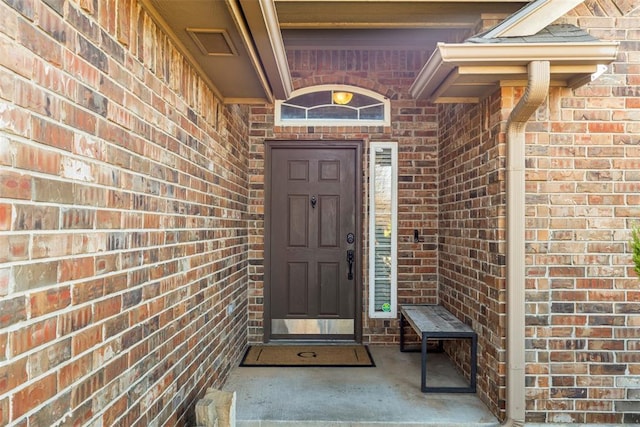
(265, 31)
(277, 44)
(523, 53)
(245, 34)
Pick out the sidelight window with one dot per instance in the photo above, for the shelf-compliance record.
(333, 105)
(383, 218)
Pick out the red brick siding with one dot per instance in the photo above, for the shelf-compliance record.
(583, 155)
(123, 208)
(413, 126)
(471, 235)
(122, 220)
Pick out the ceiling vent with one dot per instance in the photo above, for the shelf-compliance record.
(212, 42)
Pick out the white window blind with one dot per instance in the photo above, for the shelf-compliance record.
(383, 230)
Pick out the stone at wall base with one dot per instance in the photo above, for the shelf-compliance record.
(216, 409)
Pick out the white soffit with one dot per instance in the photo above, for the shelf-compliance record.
(468, 72)
(532, 18)
(215, 39)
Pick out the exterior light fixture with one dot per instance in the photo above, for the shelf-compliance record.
(342, 98)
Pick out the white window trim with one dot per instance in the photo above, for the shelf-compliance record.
(386, 105)
(392, 314)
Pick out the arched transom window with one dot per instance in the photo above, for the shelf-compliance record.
(333, 105)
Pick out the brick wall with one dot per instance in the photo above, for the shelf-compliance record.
(125, 189)
(471, 231)
(413, 126)
(583, 188)
(123, 199)
(582, 308)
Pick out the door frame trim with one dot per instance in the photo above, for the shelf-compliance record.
(270, 145)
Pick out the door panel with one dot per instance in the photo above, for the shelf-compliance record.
(329, 171)
(298, 227)
(298, 170)
(312, 209)
(329, 226)
(297, 285)
(329, 274)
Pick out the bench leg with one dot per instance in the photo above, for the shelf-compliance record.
(402, 322)
(474, 369)
(423, 383)
(474, 362)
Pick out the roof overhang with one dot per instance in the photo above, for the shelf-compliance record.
(238, 47)
(250, 65)
(468, 72)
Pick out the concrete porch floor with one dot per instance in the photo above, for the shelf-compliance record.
(386, 395)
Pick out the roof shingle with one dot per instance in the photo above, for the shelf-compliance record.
(561, 33)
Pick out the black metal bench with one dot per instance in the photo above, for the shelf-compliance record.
(435, 322)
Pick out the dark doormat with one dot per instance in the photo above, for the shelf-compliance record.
(307, 356)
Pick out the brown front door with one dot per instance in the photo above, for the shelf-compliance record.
(313, 241)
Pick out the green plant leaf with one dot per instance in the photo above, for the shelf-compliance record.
(635, 248)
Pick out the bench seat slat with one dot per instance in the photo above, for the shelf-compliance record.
(434, 319)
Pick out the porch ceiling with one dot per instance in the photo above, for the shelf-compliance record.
(239, 46)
